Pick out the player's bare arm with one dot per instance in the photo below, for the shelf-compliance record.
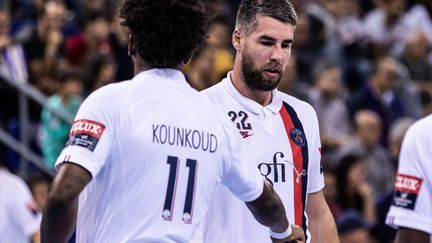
(321, 222)
(411, 235)
(269, 211)
(59, 217)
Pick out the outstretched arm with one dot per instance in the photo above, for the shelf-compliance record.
(59, 216)
(269, 211)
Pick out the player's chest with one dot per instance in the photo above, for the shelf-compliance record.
(277, 150)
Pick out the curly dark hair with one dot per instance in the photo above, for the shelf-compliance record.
(281, 10)
(165, 32)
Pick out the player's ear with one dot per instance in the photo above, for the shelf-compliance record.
(131, 46)
(236, 39)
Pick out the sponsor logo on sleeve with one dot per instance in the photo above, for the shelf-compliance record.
(407, 189)
(85, 133)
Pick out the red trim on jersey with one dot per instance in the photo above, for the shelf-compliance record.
(407, 183)
(89, 127)
(298, 163)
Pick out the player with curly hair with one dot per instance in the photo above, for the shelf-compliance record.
(144, 155)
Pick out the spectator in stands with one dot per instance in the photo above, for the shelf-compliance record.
(54, 130)
(308, 46)
(201, 68)
(350, 36)
(19, 215)
(330, 29)
(331, 192)
(94, 38)
(327, 11)
(379, 170)
(325, 31)
(12, 58)
(426, 102)
(12, 67)
(86, 6)
(353, 228)
(354, 191)
(382, 232)
(419, 19)
(408, 93)
(99, 70)
(39, 186)
(119, 38)
(415, 58)
(396, 135)
(219, 7)
(291, 83)
(342, 26)
(386, 27)
(327, 98)
(378, 94)
(45, 46)
(219, 37)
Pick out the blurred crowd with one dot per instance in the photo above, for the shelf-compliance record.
(364, 65)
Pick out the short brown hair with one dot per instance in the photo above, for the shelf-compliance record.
(281, 10)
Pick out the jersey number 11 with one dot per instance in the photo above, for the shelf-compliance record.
(167, 212)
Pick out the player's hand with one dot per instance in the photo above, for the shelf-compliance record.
(297, 236)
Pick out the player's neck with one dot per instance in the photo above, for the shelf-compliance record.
(141, 65)
(261, 97)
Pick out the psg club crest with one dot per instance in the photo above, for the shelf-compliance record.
(297, 137)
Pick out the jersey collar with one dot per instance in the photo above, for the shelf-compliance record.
(164, 74)
(250, 104)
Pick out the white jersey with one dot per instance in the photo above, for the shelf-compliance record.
(19, 217)
(156, 149)
(284, 143)
(411, 207)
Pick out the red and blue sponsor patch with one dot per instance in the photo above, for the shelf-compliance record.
(85, 133)
(407, 189)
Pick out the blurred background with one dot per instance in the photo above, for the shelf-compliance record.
(364, 65)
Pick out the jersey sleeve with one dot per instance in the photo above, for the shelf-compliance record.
(241, 177)
(92, 133)
(411, 206)
(24, 209)
(316, 177)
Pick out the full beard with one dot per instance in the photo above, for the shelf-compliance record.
(255, 78)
